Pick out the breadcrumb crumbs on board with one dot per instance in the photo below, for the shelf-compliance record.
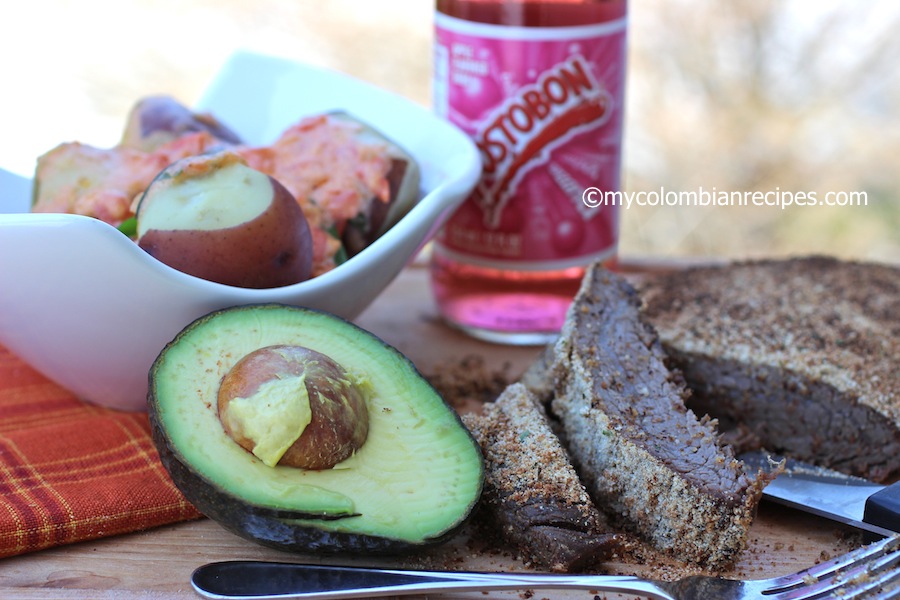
(468, 382)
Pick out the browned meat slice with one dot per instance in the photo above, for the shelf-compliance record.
(531, 488)
(642, 455)
(803, 353)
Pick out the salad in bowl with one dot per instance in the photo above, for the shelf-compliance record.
(98, 268)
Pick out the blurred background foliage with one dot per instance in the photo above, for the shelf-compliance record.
(745, 95)
(761, 95)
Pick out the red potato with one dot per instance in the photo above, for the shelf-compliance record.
(293, 406)
(156, 120)
(403, 179)
(214, 217)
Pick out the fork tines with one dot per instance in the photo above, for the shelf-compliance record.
(868, 572)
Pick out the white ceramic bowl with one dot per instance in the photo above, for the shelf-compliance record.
(90, 310)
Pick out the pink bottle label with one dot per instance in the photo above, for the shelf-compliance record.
(544, 106)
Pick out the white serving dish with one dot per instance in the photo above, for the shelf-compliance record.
(90, 310)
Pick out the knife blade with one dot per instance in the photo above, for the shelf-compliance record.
(843, 498)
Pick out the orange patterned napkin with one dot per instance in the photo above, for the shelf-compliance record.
(71, 471)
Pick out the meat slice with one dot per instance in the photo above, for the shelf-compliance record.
(642, 455)
(531, 489)
(802, 352)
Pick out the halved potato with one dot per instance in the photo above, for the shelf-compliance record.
(404, 179)
(157, 120)
(214, 217)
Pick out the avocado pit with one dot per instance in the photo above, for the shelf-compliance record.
(293, 406)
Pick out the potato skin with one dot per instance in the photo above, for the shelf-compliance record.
(364, 230)
(157, 120)
(272, 250)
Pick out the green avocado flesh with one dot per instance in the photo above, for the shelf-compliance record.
(414, 480)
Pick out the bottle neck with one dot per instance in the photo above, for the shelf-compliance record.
(535, 13)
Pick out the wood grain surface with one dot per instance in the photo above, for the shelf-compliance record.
(157, 564)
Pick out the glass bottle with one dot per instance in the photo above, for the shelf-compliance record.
(539, 86)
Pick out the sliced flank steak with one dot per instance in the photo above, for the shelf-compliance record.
(803, 353)
(644, 457)
(532, 492)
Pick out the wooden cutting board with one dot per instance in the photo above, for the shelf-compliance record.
(157, 564)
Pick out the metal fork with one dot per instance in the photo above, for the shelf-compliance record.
(869, 572)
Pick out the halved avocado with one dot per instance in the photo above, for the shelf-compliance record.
(413, 482)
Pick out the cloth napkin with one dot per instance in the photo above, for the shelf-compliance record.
(71, 471)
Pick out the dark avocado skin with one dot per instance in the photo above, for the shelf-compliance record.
(264, 525)
(267, 525)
